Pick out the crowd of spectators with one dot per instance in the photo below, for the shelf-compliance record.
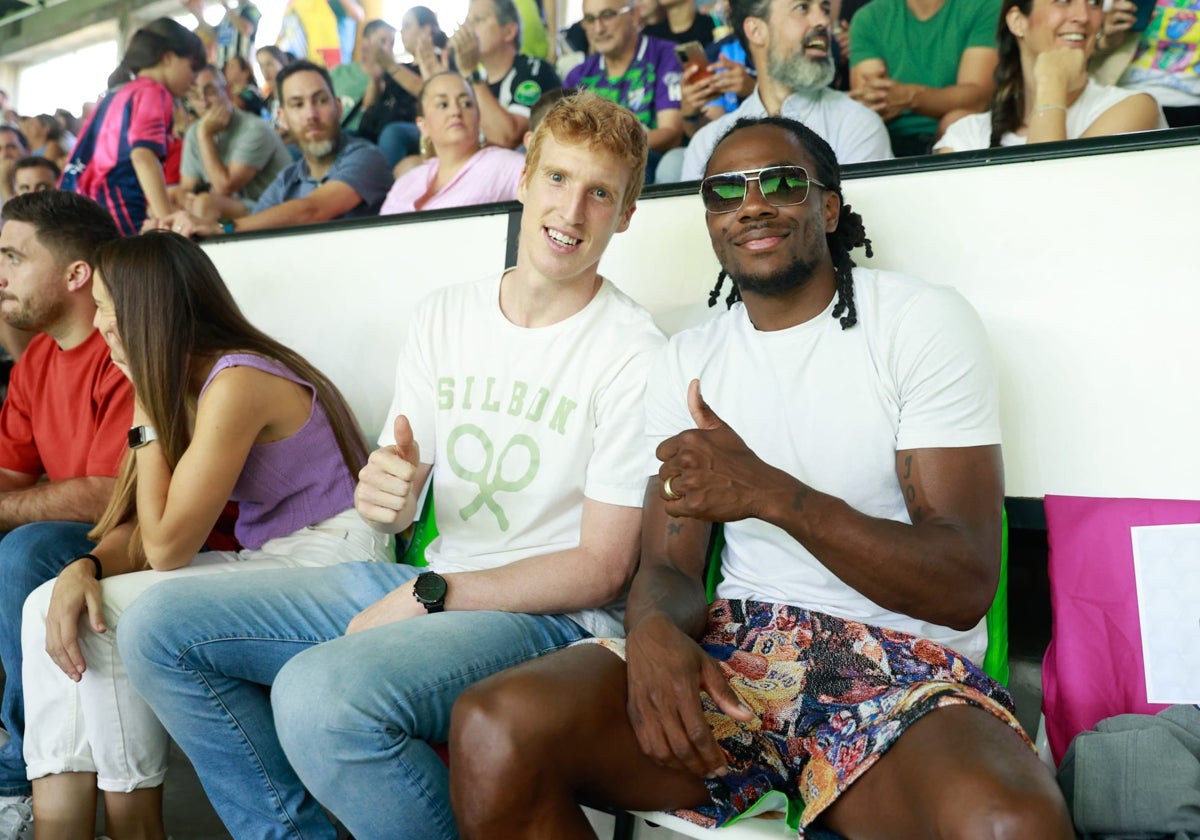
(215, 146)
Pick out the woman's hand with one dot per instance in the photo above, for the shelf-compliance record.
(1057, 73)
(76, 591)
(1116, 25)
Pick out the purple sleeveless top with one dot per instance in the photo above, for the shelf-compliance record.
(288, 484)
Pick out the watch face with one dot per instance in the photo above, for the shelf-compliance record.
(430, 588)
(136, 437)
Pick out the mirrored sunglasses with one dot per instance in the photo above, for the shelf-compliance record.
(781, 186)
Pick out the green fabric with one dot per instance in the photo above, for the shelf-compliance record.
(534, 41)
(420, 534)
(995, 659)
(350, 85)
(924, 52)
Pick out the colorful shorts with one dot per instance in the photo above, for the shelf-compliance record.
(830, 696)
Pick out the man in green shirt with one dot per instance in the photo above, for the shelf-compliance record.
(916, 61)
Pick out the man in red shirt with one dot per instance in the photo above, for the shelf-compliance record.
(63, 425)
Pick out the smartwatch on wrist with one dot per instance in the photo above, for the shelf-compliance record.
(430, 591)
(139, 436)
(479, 77)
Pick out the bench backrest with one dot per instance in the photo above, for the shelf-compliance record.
(1078, 267)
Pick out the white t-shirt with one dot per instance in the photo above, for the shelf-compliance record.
(832, 407)
(975, 131)
(852, 130)
(521, 424)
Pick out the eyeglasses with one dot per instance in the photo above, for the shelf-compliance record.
(606, 16)
(781, 186)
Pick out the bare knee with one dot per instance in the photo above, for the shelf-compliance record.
(1003, 811)
(498, 729)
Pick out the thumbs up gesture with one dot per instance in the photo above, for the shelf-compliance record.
(388, 485)
(709, 473)
(406, 447)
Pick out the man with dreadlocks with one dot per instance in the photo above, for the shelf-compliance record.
(848, 439)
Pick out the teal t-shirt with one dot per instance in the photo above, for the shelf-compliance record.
(923, 52)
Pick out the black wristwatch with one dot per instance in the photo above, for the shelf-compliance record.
(139, 436)
(430, 591)
(479, 76)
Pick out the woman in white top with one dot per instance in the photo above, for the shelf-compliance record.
(1042, 88)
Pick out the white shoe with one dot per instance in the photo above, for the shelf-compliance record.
(16, 819)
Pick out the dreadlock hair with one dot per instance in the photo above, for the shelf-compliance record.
(1008, 102)
(849, 233)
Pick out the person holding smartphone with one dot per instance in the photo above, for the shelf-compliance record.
(1153, 46)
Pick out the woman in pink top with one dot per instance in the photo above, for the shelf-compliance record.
(460, 171)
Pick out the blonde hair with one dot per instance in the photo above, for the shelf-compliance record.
(600, 125)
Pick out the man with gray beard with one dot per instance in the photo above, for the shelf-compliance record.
(790, 44)
(337, 177)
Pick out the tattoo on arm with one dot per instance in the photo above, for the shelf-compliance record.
(674, 529)
(798, 499)
(907, 467)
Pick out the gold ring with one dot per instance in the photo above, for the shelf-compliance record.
(671, 494)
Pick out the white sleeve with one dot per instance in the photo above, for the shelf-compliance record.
(666, 403)
(415, 395)
(964, 135)
(943, 366)
(614, 473)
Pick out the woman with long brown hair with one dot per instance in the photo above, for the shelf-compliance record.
(222, 412)
(1043, 92)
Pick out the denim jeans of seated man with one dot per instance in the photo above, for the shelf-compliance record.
(29, 556)
(353, 715)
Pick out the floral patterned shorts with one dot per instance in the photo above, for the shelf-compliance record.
(830, 696)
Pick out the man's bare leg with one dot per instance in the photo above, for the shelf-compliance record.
(528, 744)
(958, 772)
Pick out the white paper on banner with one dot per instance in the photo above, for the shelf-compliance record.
(1166, 566)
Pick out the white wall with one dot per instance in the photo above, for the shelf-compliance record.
(1079, 267)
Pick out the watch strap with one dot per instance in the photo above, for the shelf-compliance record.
(139, 436)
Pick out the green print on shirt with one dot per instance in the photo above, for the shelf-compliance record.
(472, 453)
(514, 401)
(489, 481)
(633, 90)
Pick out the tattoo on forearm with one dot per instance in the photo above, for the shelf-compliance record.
(674, 529)
(798, 499)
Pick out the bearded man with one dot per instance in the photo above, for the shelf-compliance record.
(337, 176)
(790, 44)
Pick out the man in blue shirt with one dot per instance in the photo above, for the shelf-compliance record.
(337, 177)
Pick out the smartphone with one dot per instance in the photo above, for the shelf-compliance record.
(1144, 13)
(692, 54)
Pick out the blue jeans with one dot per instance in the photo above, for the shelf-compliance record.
(355, 715)
(29, 556)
